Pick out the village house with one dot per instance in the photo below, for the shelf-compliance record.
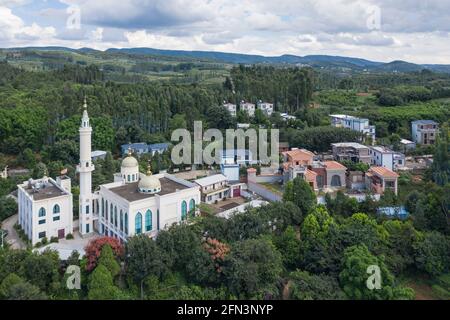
(230, 107)
(353, 123)
(380, 179)
(213, 188)
(351, 151)
(247, 107)
(265, 107)
(385, 157)
(424, 131)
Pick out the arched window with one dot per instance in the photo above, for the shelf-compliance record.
(42, 212)
(115, 216)
(129, 178)
(183, 210)
(56, 209)
(138, 223)
(106, 210)
(192, 207)
(121, 220)
(319, 181)
(126, 223)
(103, 207)
(148, 221)
(111, 213)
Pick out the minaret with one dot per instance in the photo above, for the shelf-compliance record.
(85, 169)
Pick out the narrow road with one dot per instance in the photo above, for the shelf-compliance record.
(13, 238)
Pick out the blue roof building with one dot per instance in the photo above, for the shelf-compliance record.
(142, 148)
(394, 212)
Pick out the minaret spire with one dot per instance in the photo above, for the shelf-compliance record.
(85, 169)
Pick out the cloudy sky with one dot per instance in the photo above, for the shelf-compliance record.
(382, 30)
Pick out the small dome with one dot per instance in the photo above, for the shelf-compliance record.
(149, 183)
(129, 162)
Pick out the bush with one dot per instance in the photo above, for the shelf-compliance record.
(44, 241)
(69, 236)
(54, 240)
(38, 245)
(441, 292)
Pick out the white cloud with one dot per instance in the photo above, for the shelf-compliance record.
(414, 30)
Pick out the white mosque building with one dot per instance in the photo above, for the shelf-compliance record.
(135, 203)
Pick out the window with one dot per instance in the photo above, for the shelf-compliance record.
(41, 235)
(106, 210)
(115, 216)
(126, 223)
(42, 212)
(42, 221)
(192, 207)
(87, 209)
(87, 228)
(57, 218)
(121, 220)
(103, 207)
(56, 209)
(183, 210)
(138, 223)
(148, 221)
(157, 219)
(111, 213)
(129, 178)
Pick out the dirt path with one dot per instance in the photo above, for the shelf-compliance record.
(13, 238)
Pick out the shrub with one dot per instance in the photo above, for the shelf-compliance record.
(69, 236)
(54, 240)
(44, 241)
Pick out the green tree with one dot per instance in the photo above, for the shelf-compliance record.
(108, 260)
(432, 254)
(354, 277)
(306, 286)
(101, 285)
(253, 268)
(300, 193)
(144, 259)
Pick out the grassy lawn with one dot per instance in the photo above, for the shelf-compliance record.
(275, 188)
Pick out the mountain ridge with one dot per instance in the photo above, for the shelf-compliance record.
(315, 61)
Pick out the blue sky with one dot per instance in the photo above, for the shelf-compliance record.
(382, 30)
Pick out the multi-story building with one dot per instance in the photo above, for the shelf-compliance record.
(353, 123)
(247, 107)
(265, 107)
(231, 108)
(351, 151)
(45, 208)
(242, 157)
(385, 157)
(424, 131)
(214, 188)
(380, 179)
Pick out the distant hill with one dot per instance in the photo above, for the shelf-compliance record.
(315, 61)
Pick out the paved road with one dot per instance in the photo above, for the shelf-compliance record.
(13, 238)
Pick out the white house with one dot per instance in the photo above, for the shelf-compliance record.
(265, 107)
(247, 107)
(242, 157)
(231, 108)
(214, 188)
(406, 145)
(353, 123)
(45, 208)
(424, 131)
(385, 157)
